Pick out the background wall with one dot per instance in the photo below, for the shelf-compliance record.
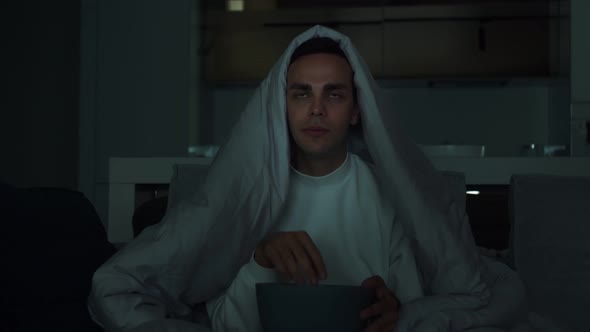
(136, 85)
(39, 113)
(503, 117)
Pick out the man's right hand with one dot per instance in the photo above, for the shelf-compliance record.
(294, 255)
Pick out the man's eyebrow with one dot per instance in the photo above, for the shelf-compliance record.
(328, 87)
(335, 86)
(300, 86)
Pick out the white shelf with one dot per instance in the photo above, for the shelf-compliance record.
(487, 170)
(124, 174)
(499, 170)
(148, 170)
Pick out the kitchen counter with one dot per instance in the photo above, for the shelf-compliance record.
(498, 170)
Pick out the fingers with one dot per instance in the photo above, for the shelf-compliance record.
(275, 257)
(291, 264)
(376, 309)
(383, 324)
(306, 271)
(384, 293)
(373, 282)
(294, 255)
(385, 310)
(314, 253)
(387, 305)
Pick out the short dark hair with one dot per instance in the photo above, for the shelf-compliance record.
(318, 45)
(322, 45)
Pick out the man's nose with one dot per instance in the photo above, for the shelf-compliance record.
(317, 106)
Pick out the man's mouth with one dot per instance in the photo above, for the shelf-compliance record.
(315, 131)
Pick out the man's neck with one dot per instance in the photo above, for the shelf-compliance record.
(319, 166)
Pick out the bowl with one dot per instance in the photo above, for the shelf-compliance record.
(284, 307)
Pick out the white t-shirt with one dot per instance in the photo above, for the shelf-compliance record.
(354, 230)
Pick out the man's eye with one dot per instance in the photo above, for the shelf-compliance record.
(336, 95)
(301, 95)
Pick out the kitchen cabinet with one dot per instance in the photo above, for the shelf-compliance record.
(244, 46)
(451, 41)
(367, 38)
(466, 49)
(246, 54)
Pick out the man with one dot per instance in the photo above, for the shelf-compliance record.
(334, 227)
(278, 186)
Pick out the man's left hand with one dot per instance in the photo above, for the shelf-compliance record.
(384, 313)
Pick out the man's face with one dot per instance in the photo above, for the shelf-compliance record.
(320, 95)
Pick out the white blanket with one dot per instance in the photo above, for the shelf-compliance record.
(195, 253)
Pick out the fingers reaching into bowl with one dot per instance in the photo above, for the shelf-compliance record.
(383, 314)
(294, 255)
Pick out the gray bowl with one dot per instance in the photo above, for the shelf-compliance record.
(304, 308)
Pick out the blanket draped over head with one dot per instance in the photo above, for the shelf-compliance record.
(196, 251)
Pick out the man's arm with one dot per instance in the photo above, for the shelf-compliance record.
(237, 308)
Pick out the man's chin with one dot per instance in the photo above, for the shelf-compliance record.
(318, 153)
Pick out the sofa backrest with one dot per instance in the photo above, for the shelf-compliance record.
(550, 241)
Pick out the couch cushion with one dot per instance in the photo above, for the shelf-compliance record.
(52, 243)
(551, 247)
